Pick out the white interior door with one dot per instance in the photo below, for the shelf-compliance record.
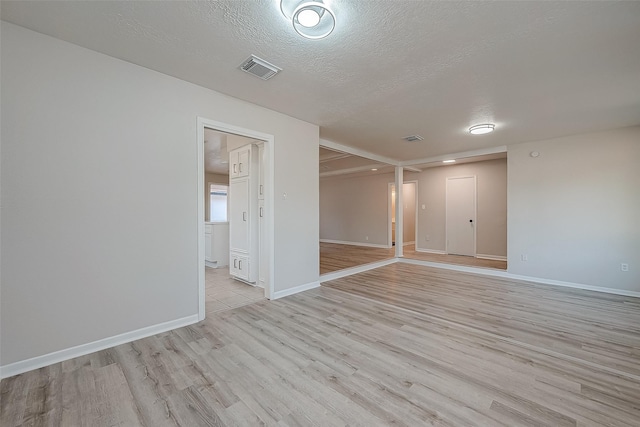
(461, 215)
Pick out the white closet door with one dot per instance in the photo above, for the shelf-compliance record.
(461, 215)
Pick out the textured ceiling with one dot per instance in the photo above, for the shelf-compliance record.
(391, 68)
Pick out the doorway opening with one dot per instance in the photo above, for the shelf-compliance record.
(216, 289)
(409, 214)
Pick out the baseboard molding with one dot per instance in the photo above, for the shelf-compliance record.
(431, 251)
(492, 257)
(295, 290)
(409, 243)
(544, 281)
(37, 362)
(341, 242)
(214, 264)
(507, 275)
(355, 270)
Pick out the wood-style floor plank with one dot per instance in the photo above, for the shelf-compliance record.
(401, 345)
(334, 257)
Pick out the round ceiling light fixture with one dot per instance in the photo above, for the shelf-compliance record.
(311, 19)
(308, 18)
(482, 129)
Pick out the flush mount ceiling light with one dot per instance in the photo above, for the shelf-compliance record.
(482, 129)
(311, 19)
(448, 161)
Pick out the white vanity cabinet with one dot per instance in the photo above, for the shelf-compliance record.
(216, 244)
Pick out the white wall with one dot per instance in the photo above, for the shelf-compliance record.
(574, 209)
(90, 249)
(491, 221)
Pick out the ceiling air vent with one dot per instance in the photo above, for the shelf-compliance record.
(413, 138)
(259, 68)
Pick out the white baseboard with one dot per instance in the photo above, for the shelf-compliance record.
(295, 290)
(492, 257)
(341, 242)
(431, 251)
(354, 270)
(37, 362)
(215, 264)
(575, 285)
(507, 275)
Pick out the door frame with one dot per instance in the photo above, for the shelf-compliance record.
(390, 186)
(268, 162)
(475, 212)
(415, 220)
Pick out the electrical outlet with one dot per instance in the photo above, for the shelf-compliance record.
(524, 257)
(624, 267)
(366, 238)
(426, 238)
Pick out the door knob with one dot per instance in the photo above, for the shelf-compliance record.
(470, 220)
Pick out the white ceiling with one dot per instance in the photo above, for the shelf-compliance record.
(216, 155)
(391, 68)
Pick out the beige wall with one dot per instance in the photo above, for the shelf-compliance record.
(112, 254)
(491, 227)
(352, 208)
(574, 209)
(409, 212)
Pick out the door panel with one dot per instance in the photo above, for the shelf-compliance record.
(239, 215)
(461, 215)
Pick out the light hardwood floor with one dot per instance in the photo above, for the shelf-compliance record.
(334, 257)
(401, 345)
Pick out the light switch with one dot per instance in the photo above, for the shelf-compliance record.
(423, 207)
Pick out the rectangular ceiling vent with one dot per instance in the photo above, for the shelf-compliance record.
(259, 68)
(413, 138)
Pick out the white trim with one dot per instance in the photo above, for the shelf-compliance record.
(472, 153)
(353, 170)
(492, 257)
(37, 362)
(295, 290)
(415, 218)
(342, 242)
(399, 185)
(269, 149)
(355, 270)
(390, 187)
(412, 169)
(431, 251)
(507, 275)
(200, 176)
(408, 243)
(357, 152)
